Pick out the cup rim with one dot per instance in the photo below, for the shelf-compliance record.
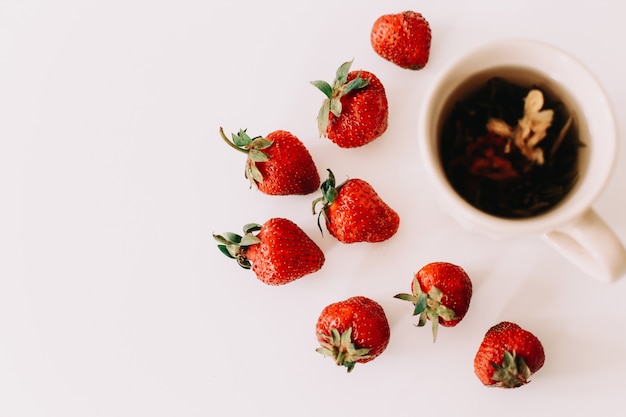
(505, 53)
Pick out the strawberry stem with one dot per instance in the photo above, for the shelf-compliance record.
(231, 143)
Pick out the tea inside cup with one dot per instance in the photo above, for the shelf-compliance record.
(570, 225)
(525, 63)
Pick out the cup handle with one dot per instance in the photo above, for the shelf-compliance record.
(591, 245)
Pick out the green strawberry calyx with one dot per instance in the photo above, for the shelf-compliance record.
(341, 87)
(342, 349)
(235, 246)
(253, 147)
(330, 191)
(428, 306)
(513, 373)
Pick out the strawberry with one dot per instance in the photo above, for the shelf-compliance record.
(278, 164)
(354, 212)
(355, 110)
(508, 356)
(279, 253)
(441, 293)
(402, 38)
(352, 331)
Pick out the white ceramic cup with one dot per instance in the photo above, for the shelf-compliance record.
(572, 227)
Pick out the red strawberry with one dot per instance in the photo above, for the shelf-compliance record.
(508, 356)
(352, 331)
(278, 164)
(279, 253)
(354, 212)
(402, 38)
(441, 293)
(355, 111)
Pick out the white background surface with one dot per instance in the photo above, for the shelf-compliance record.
(114, 300)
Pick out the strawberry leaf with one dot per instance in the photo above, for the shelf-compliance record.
(322, 118)
(260, 143)
(406, 297)
(346, 337)
(243, 262)
(335, 106)
(249, 239)
(251, 227)
(435, 294)
(225, 251)
(445, 313)
(228, 238)
(258, 156)
(422, 320)
(342, 72)
(241, 139)
(421, 302)
(329, 190)
(254, 174)
(355, 84)
(324, 87)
